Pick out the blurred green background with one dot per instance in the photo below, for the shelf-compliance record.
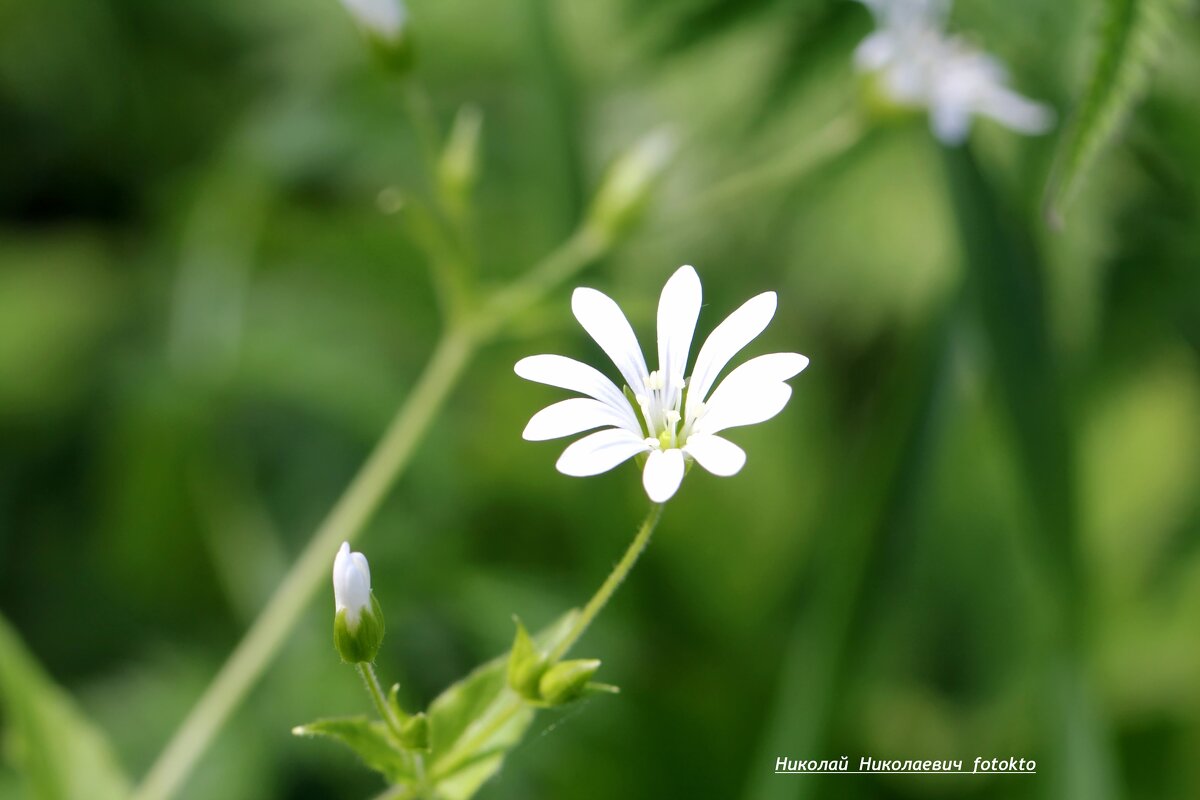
(975, 531)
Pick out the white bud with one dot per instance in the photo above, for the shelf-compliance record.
(383, 19)
(351, 584)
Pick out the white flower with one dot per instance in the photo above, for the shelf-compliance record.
(921, 66)
(675, 420)
(384, 19)
(351, 584)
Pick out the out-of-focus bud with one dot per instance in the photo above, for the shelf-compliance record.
(385, 24)
(525, 665)
(458, 167)
(414, 732)
(629, 182)
(358, 620)
(566, 680)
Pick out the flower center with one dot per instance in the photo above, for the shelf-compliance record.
(662, 410)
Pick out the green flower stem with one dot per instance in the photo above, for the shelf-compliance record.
(348, 517)
(350, 514)
(515, 702)
(615, 578)
(367, 671)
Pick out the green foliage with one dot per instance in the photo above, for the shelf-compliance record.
(373, 743)
(478, 720)
(1133, 36)
(62, 756)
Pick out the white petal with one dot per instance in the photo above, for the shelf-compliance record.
(737, 331)
(771, 368)
(678, 310)
(752, 393)
(569, 417)
(600, 452)
(1016, 112)
(360, 562)
(950, 122)
(604, 321)
(567, 373)
(744, 404)
(340, 563)
(384, 18)
(717, 455)
(875, 51)
(663, 474)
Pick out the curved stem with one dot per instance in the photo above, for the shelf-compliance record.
(463, 751)
(344, 523)
(367, 671)
(614, 579)
(352, 511)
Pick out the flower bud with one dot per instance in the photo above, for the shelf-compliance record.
(385, 24)
(358, 620)
(458, 166)
(525, 665)
(626, 187)
(414, 732)
(566, 680)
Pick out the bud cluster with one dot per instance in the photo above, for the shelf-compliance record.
(532, 675)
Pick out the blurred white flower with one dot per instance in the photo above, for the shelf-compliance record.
(351, 584)
(671, 419)
(920, 65)
(383, 19)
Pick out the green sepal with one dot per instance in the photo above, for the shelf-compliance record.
(414, 733)
(393, 700)
(525, 664)
(370, 739)
(396, 54)
(361, 643)
(567, 680)
(465, 754)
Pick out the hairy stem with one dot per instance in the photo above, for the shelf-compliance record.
(615, 578)
(367, 671)
(464, 750)
(347, 519)
(353, 510)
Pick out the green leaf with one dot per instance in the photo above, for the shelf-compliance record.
(62, 756)
(371, 740)
(475, 722)
(1132, 37)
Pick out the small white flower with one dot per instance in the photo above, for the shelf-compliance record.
(921, 66)
(384, 19)
(351, 584)
(675, 420)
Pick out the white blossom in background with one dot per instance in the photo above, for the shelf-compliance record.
(672, 420)
(920, 65)
(383, 19)
(351, 584)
